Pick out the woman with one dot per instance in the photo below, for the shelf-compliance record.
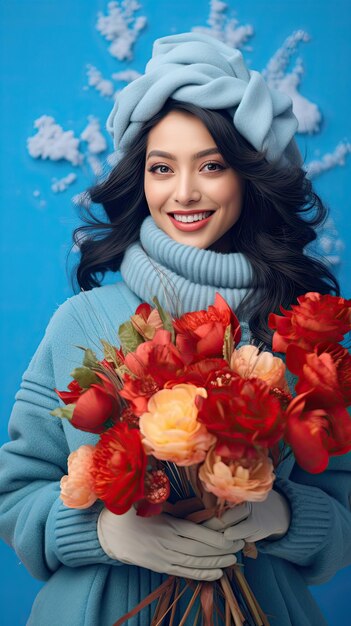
(198, 137)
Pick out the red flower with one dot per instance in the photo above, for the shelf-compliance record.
(241, 412)
(160, 354)
(198, 373)
(153, 364)
(138, 392)
(326, 372)
(144, 309)
(71, 396)
(157, 490)
(317, 318)
(95, 406)
(119, 468)
(200, 334)
(316, 434)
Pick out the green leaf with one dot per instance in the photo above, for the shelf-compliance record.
(110, 354)
(228, 344)
(90, 359)
(65, 412)
(129, 337)
(85, 377)
(165, 317)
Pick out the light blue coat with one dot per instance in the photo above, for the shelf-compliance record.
(84, 586)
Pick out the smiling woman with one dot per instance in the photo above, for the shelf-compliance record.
(187, 192)
(258, 215)
(208, 196)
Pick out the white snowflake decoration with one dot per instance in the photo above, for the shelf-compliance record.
(102, 85)
(224, 28)
(329, 160)
(121, 27)
(277, 77)
(93, 136)
(62, 184)
(52, 142)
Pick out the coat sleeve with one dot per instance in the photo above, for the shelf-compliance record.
(318, 541)
(43, 532)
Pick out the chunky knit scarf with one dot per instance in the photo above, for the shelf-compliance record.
(184, 278)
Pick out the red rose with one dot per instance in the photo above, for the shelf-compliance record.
(200, 334)
(317, 318)
(317, 434)
(96, 406)
(119, 468)
(242, 412)
(326, 372)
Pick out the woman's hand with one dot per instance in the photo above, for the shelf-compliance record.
(166, 544)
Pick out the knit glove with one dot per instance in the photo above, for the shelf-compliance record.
(166, 544)
(268, 519)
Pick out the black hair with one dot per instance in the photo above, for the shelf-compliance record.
(278, 219)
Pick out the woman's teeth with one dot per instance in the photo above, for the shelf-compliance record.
(195, 217)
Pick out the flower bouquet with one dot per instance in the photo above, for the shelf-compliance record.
(191, 425)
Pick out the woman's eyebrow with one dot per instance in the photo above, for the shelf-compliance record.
(168, 155)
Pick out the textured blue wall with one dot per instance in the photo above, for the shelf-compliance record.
(45, 47)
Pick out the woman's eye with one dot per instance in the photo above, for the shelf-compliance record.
(213, 167)
(163, 169)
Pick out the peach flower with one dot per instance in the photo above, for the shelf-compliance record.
(77, 489)
(248, 362)
(170, 428)
(146, 321)
(240, 480)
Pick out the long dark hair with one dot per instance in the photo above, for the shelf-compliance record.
(278, 219)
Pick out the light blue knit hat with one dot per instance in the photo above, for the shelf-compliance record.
(199, 69)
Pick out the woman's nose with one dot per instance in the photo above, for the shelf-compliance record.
(186, 191)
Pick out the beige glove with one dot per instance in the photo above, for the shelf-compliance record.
(231, 517)
(166, 544)
(269, 519)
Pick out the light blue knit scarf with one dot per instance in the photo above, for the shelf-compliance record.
(184, 278)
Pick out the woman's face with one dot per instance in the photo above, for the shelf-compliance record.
(187, 179)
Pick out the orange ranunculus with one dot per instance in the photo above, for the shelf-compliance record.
(239, 480)
(77, 488)
(119, 468)
(241, 412)
(200, 334)
(248, 362)
(146, 320)
(326, 372)
(170, 428)
(314, 319)
(316, 434)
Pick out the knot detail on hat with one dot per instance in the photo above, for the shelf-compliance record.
(199, 69)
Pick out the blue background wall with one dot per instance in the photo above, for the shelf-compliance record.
(45, 46)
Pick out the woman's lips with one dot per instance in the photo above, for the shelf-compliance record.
(189, 226)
